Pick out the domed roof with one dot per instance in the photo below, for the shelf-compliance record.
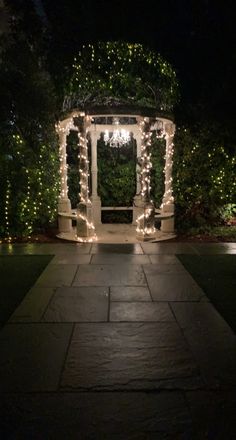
(120, 77)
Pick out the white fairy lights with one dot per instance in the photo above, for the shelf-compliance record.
(145, 221)
(8, 191)
(84, 182)
(63, 131)
(84, 167)
(168, 198)
(149, 127)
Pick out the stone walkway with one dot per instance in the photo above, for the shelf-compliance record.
(117, 341)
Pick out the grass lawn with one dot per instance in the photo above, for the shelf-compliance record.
(216, 275)
(18, 273)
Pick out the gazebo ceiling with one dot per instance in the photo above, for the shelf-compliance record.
(117, 78)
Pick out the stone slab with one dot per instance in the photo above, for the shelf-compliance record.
(124, 293)
(133, 356)
(71, 259)
(34, 304)
(213, 412)
(23, 249)
(109, 275)
(214, 248)
(211, 340)
(68, 248)
(140, 311)
(166, 259)
(116, 248)
(45, 248)
(78, 304)
(119, 416)
(165, 268)
(171, 286)
(57, 275)
(168, 248)
(119, 259)
(32, 356)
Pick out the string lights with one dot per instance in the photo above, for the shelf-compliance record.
(85, 226)
(145, 221)
(8, 191)
(168, 198)
(63, 131)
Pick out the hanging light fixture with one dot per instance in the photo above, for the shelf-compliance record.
(119, 138)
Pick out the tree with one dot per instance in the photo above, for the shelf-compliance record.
(28, 154)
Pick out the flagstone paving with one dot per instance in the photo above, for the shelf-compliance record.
(117, 341)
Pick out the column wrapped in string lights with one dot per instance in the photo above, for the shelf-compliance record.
(168, 199)
(85, 226)
(64, 205)
(96, 200)
(145, 221)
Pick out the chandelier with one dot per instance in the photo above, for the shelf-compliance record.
(118, 137)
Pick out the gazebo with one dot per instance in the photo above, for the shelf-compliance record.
(117, 89)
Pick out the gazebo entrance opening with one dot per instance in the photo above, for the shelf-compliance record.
(116, 159)
(92, 128)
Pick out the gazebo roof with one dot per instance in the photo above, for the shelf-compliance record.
(121, 78)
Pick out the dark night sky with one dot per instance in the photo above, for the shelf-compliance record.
(197, 36)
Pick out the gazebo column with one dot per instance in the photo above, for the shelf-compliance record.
(137, 201)
(168, 206)
(85, 227)
(145, 221)
(64, 204)
(95, 199)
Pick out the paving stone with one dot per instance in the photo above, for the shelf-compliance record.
(115, 248)
(68, 248)
(57, 275)
(78, 304)
(140, 311)
(95, 416)
(213, 413)
(33, 305)
(172, 286)
(131, 356)
(165, 268)
(214, 248)
(211, 340)
(168, 248)
(166, 259)
(119, 259)
(32, 356)
(22, 249)
(71, 259)
(109, 275)
(124, 293)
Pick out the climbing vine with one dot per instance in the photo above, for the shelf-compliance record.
(115, 73)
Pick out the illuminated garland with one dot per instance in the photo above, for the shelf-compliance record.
(168, 198)
(63, 132)
(114, 73)
(84, 179)
(145, 221)
(84, 167)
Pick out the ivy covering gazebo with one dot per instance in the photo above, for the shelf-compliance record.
(117, 89)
